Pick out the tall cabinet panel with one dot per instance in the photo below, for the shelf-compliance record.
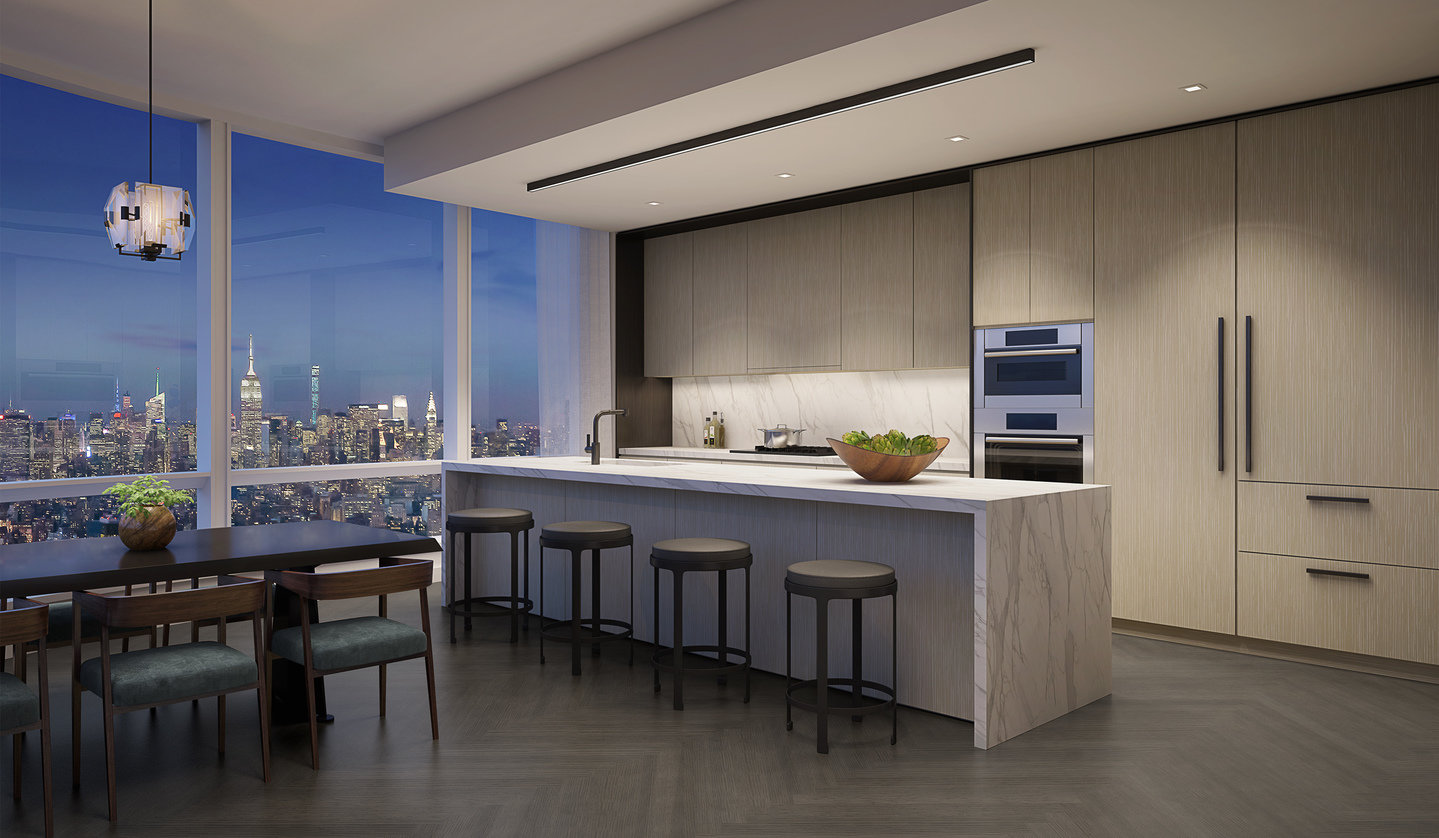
(669, 310)
(720, 305)
(794, 284)
(1164, 276)
(941, 277)
(1001, 244)
(877, 284)
(1338, 264)
(1061, 237)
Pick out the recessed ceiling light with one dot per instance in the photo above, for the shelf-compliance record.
(654, 203)
(957, 139)
(784, 174)
(1193, 88)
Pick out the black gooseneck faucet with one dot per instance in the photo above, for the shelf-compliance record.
(592, 441)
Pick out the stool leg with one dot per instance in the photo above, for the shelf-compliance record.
(514, 587)
(528, 608)
(595, 599)
(450, 584)
(748, 653)
(894, 667)
(575, 612)
(542, 604)
(821, 673)
(723, 620)
(679, 638)
(788, 607)
(656, 666)
(632, 604)
(469, 595)
(857, 657)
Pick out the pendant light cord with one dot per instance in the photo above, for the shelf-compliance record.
(151, 56)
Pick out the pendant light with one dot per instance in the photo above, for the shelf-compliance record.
(150, 221)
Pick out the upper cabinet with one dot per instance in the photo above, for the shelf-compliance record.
(874, 285)
(669, 305)
(877, 287)
(1338, 267)
(794, 290)
(1034, 240)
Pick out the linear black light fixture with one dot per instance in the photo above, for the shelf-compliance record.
(848, 103)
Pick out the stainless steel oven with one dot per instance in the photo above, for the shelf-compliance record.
(1055, 446)
(1035, 366)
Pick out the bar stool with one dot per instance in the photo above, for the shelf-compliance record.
(692, 555)
(467, 522)
(826, 580)
(577, 537)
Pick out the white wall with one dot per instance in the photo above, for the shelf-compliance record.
(827, 404)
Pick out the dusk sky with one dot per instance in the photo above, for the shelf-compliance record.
(327, 268)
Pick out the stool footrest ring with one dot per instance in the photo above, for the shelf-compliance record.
(663, 659)
(499, 606)
(841, 702)
(560, 630)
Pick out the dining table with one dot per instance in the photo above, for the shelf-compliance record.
(51, 567)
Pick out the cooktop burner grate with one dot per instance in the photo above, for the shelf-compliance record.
(793, 450)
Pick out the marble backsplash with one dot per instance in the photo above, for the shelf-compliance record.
(827, 404)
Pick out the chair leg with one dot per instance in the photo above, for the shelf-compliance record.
(75, 735)
(263, 694)
(45, 773)
(220, 715)
(382, 690)
(430, 682)
(110, 765)
(314, 722)
(15, 746)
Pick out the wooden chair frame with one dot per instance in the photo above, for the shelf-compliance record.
(25, 622)
(394, 575)
(232, 595)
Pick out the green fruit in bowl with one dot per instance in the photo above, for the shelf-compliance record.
(894, 443)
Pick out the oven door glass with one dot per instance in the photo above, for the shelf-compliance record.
(1051, 371)
(1047, 459)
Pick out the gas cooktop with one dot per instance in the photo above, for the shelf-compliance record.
(793, 450)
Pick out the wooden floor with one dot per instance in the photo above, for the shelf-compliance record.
(1193, 742)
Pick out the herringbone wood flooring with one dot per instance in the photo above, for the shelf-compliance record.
(1193, 742)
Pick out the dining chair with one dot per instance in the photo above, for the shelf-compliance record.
(325, 648)
(153, 677)
(60, 631)
(20, 709)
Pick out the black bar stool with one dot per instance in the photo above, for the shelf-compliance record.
(577, 537)
(691, 555)
(467, 522)
(840, 579)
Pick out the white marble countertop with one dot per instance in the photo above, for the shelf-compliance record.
(947, 464)
(930, 490)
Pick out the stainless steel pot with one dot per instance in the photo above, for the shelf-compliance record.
(782, 436)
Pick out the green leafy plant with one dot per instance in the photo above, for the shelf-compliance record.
(893, 442)
(145, 491)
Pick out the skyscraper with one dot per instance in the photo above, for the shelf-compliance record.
(155, 407)
(400, 409)
(250, 405)
(314, 394)
(14, 445)
(431, 418)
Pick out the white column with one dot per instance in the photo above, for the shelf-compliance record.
(212, 322)
(457, 328)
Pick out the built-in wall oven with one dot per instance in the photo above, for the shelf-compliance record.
(1034, 403)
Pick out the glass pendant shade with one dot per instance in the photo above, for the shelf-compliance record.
(149, 221)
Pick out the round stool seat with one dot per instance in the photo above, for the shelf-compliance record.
(700, 554)
(839, 573)
(487, 518)
(585, 534)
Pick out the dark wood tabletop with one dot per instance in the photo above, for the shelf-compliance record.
(78, 564)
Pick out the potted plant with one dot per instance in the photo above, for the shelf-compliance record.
(146, 522)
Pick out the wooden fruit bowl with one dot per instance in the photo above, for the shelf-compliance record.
(885, 468)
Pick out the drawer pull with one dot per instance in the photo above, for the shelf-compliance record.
(1336, 499)
(1343, 574)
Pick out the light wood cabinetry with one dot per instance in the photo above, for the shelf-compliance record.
(720, 307)
(877, 284)
(669, 306)
(794, 291)
(1368, 609)
(1338, 264)
(1353, 523)
(941, 277)
(1034, 240)
(1164, 258)
(1001, 244)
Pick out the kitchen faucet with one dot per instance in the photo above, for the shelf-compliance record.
(592, 441)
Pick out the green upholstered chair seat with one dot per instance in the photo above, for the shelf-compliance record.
(150, 676)
(346, 644)
(18, 706)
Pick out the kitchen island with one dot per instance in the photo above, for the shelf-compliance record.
(1004, 586)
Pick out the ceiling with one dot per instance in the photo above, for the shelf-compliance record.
(540, 88)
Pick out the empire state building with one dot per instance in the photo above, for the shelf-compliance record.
(250, 414)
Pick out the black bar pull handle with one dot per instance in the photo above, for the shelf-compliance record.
(1336, 499)
(1342, 574)
(1248, 393)
(1221, 394)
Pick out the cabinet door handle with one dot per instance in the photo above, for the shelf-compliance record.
(1342, 574)
(1336, 499)
(1221, 393)
(1248, 393)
